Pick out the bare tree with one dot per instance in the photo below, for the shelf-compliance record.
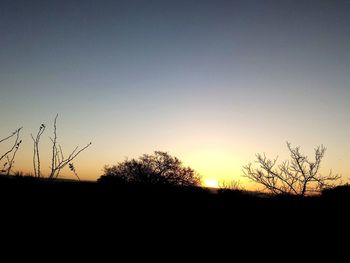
(298, 176)
(10, 154)
(58, 161)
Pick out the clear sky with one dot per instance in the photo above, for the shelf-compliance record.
(211, 82)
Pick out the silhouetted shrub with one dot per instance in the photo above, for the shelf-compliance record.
(159, 168)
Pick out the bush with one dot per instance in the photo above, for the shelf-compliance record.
(157, 169)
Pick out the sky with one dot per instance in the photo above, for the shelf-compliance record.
(211, 82)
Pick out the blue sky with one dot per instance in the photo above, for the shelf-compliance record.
(212, 82)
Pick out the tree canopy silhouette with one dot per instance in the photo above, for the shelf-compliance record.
(159, 168)
(298, 176)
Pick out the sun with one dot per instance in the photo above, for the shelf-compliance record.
(212, 183)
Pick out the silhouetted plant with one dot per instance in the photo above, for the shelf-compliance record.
(58, 161)
(72, 168)
(36, 152)
(298, 176)
(230, 185)
(159, 168)
(10, 154)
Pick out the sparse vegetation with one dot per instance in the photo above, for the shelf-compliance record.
(9, 155)
(230, 185)
(298, 176)
(58, 160)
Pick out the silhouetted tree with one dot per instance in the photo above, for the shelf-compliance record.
(298, 176)
(159, 168)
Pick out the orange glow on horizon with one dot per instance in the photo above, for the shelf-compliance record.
(214, 165)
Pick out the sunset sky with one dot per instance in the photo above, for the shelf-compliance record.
(211, 82)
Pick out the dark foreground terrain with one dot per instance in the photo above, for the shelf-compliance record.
(65, 208)
(31, 197)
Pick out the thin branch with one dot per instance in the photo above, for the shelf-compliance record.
(11, 161)
(17, 133)
(13, 134)
(58, 162)
(54, 149)
(71, 157)
(34, 156)
(36, 152)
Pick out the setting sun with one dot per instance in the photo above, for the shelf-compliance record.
(213, 183)
(208, 84)
(181, 117)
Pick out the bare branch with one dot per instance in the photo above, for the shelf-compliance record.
(58, 162)
(10, 136)
(11, 153)
(36, 152)
(54, 147)
(34, 156)
(15, 133)
(11, 161)
(64, 162)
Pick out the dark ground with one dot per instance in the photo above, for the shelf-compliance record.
(30, 196)
(97, 212)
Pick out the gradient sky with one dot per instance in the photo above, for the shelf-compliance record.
(211, 82)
